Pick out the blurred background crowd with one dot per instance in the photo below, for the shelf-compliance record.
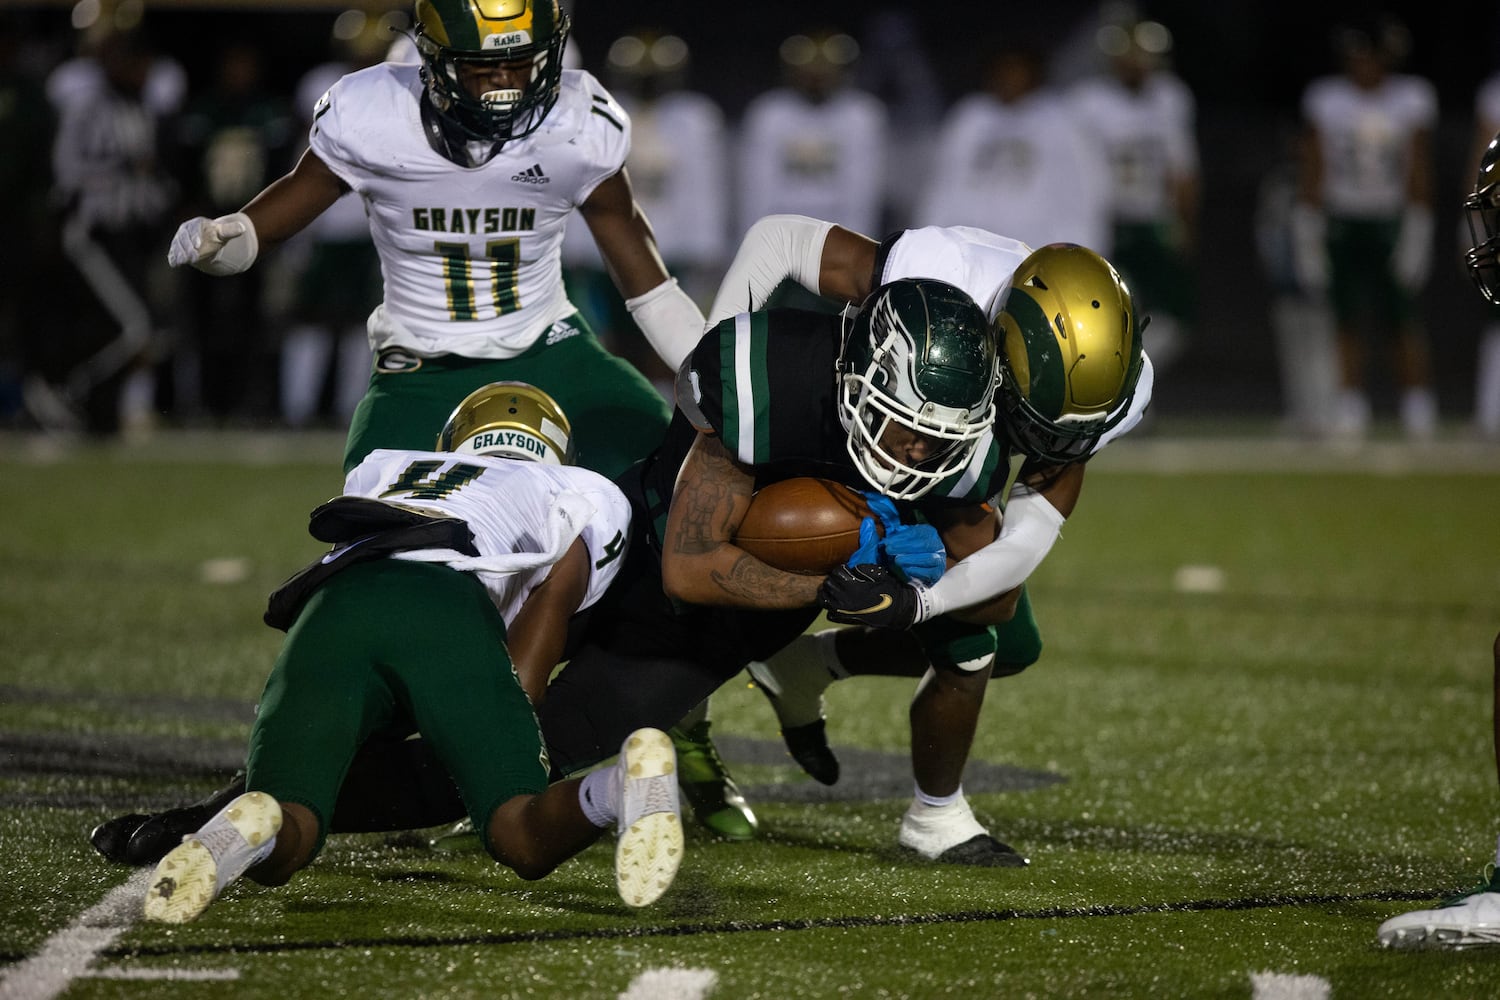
(1280, 184)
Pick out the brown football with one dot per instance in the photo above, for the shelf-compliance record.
(803, 525)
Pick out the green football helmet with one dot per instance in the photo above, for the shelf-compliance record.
(919, 355)
(1070, 353)
(1483, 211)
(451, 32)
(510, 420)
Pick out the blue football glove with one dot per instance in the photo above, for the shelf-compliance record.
(869, 545)
(884, 508)
(913, 552)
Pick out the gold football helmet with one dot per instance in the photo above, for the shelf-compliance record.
(510, 420)
(1070, 353)
(450, 32)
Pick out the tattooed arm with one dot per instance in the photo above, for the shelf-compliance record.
(699, 562)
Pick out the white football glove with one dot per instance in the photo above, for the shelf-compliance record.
(226, 245)
(1411, 260)
(1309, 248)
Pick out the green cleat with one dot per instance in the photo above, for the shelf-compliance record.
(706, 784)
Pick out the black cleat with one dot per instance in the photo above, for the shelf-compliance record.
(809, 747)
(144, 840)
(982, 851)
(111, 837)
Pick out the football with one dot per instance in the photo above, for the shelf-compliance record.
(803, 525)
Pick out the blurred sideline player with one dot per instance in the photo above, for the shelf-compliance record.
(469, 164)
(1471, 918)
(678, 168)
(1364, 220)
(447, 596)
(1143, 114)
(816, 144)
(976, 621)
(1013, 157)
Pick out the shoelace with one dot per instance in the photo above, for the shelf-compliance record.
(656, 794)
(1486, 884)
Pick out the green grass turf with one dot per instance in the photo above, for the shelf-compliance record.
(1237, 781)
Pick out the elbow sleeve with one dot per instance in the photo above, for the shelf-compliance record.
(672, 322)
(775, 248)
(1027, 533)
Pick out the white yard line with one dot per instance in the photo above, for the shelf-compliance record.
(1286, 986)
(70, 953)
(671, 984)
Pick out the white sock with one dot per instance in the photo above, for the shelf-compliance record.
(1419, 412)
(599, 796)
(937, 801)
(304, 359)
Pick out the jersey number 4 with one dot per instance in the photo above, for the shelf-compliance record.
(502, 262)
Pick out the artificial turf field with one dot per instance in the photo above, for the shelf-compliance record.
(1261, 725)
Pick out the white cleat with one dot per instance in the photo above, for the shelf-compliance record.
(1468, 921)
(951, 835)
(194, 872)
(650, 845)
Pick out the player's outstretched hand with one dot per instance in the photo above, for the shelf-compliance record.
(226, 245)
(869, 595)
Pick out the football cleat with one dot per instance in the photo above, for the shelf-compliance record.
(951, 835)
(193, 873)
(649, 848)
(793, 681)
(111, 837)
(460, 838)
(715, 798)
(140, 840)
(982, 851)
(1466, 921)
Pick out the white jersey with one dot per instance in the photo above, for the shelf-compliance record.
(470, 255)
(1365, 138)
(522, 512)
(982, 265)
(824, 160)
(1025, 167)
(1148, 137)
